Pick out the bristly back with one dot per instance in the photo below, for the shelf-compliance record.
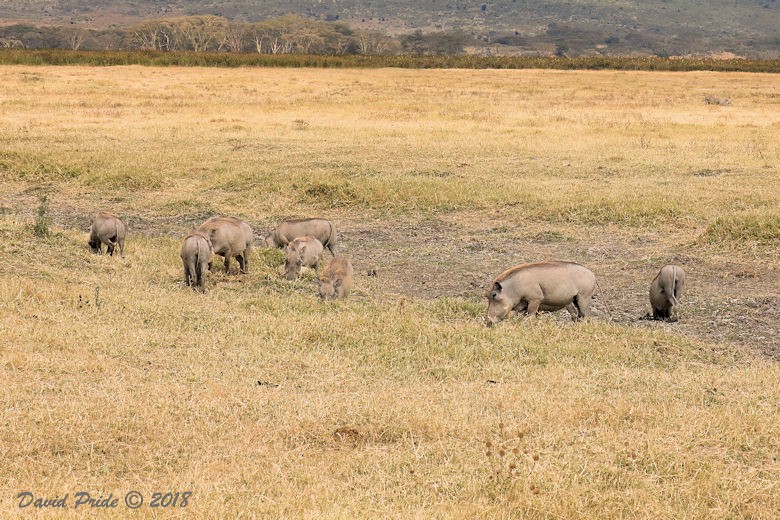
(512, 270)
(297, 220)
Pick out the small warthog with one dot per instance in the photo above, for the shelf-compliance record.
(547, 286)
(230, 237)
(107, 229)
(336, 281)
(319, 228)
(665, 291)
(196, 254)
(301, 252)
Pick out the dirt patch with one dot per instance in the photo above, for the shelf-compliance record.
(728, 298)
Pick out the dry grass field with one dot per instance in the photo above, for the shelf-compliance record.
(398, 402)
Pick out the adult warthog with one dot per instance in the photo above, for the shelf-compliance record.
(301, 252)
(107, 229)
(336, 281)
(546, 286)
(665, 291)
(196, 254)
(230, 237)
(319, 228)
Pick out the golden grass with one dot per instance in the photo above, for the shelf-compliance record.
(400, 140)
(117, 377)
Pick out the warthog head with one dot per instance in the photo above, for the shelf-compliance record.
(499, 305)
(329, 290)
(293, 260)
(269, 240)
(95, 245)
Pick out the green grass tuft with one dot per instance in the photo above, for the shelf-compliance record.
(221, 59)
(744, 228)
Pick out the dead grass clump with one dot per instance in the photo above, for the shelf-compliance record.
(42, 218)
(138, 180)
(34, 167)
(330, 194)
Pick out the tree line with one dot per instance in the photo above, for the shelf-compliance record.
(284, 35)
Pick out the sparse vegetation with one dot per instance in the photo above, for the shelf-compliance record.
(42, 218)
(397, 402)
(406, 61)
(743, 229)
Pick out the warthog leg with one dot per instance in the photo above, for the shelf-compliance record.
(533, 308)
(201, 280)
(574, 311)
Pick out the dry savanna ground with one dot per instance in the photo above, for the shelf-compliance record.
(264, 401)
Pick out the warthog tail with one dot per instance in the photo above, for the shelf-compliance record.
(330, 238)
(672, 290)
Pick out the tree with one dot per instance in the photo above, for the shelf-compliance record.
(445, 42)
(372, 42)
(74, 38)
(234, 39)
(414, 43)
(156, 35)
(11, 43)
(201, 33)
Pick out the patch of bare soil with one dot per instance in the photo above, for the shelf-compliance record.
(726, 299)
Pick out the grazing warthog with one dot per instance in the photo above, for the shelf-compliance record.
(107, 229)
(665, 291)
(196, 254)
(712, 100)
(301, 252)
(319, 228)
(547, 286)
(336, 281)
(229, 237)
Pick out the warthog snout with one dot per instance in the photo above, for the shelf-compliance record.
(336, 281)
(301, 252)
(291, 269)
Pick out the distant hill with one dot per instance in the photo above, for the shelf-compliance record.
(748, 28)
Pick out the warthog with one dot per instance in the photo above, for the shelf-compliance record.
(319, 228)
(196, 254)
(547, 286)
(301, 252)
(107, 229)
(230, 237)
(712, 100)
(336, 281)
(665, 291)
